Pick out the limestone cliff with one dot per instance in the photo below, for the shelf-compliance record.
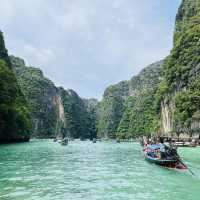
(55, 112)
(139, 112)
(15, 123)
(179, 91)
(79, 115)
(119, 100)
(42, 95)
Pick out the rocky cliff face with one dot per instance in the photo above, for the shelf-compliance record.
(180, 92)
(166, 118)
(42, 95)
(139, 113)
(91, 107)
(79, 115)
(15, 123)
(3, 51)
(114, 111)
(147, 79)
(110, 109)
(54, 111)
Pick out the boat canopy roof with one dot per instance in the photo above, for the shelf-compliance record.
(155, 146)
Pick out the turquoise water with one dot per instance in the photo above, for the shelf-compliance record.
(44, 170)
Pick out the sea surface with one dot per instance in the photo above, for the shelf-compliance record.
(44, 170)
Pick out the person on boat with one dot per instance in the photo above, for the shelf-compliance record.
(149, 141)
(145, 141)
(158, 153)
(170, 152)
(160, 148)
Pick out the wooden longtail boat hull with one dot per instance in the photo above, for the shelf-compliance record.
(166, 163)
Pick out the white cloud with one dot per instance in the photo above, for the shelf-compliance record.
(7, 13)
(88, 44)
(40, 56)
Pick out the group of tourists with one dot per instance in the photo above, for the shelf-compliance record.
(157, 148)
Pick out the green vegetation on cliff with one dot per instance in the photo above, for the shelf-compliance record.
(15, 123)
(110, 109)
(54, 111)
(187, 112)
(79, 117)
(139, 117)
(182, 66)
(128, 108)
(3, 51)
(182, 70)
(40, 93)
(140, 114)
(91, 107)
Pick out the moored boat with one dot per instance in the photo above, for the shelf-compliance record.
(185, 144)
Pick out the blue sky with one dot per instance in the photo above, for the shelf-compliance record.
(87, 45)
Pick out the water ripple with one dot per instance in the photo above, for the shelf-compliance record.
(85, 171)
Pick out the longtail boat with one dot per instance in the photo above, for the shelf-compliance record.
(164, 156)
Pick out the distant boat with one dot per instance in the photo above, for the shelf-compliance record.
(94, 140)
(185, 144)
(64, 141)
(118, 141)
(82, 139)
